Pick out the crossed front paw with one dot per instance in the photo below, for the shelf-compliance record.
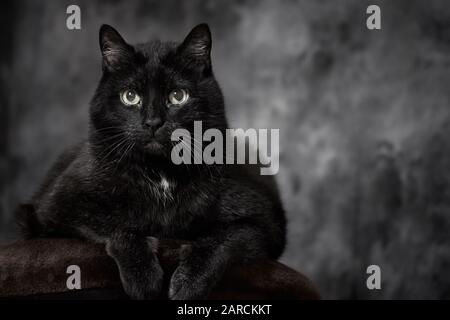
(140, 271)
(143, 284)
(186, 284)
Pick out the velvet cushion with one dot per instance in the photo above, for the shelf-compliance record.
(37, 269)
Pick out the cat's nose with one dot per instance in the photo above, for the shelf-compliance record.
(153, 123)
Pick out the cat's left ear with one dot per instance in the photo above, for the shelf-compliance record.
(197, 45)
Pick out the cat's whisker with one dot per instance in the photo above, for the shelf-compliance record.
(111, 127)
(110, 146)
(107, 129)
(185, 164)
(197, 149)
(110, 137)
(127, 148)
(115, 147)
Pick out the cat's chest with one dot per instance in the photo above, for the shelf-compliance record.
(161, 189)
(160, 205)
(150, 192)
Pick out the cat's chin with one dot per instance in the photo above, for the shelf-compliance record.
(154, 147)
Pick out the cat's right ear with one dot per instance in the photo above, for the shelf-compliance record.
(115, 51)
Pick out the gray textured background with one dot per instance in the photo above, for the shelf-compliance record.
(363, 117)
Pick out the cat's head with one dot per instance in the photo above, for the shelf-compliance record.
(149, 90)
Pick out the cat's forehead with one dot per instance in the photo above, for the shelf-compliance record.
(155, 52)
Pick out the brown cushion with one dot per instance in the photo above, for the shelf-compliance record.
(37, 268)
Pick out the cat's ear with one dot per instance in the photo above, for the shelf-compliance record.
(115, 51)
(197, 45)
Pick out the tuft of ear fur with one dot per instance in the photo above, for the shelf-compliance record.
(197, 45)
(115, 51)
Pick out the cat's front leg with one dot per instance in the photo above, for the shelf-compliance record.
(140, 271)
(199, 269)
(203, 263)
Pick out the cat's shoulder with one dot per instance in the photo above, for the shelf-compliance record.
(76, 160)
(250, 175)
(59, 168)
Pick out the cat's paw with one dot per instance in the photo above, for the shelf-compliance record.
(140, 271)
(143, 284)
(186, 284)
(199, 271)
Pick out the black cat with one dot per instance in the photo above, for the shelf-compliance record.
(120, 187)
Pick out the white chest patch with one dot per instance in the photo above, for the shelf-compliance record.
(164, 189)
(164, 184)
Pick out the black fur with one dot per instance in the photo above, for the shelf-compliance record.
(109, 188)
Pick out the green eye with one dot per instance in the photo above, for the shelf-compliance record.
(130, 98)
(178, 97)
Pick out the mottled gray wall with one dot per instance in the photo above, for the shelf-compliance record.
(363, 117)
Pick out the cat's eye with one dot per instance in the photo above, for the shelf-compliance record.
(178, 97)
(130, 98)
